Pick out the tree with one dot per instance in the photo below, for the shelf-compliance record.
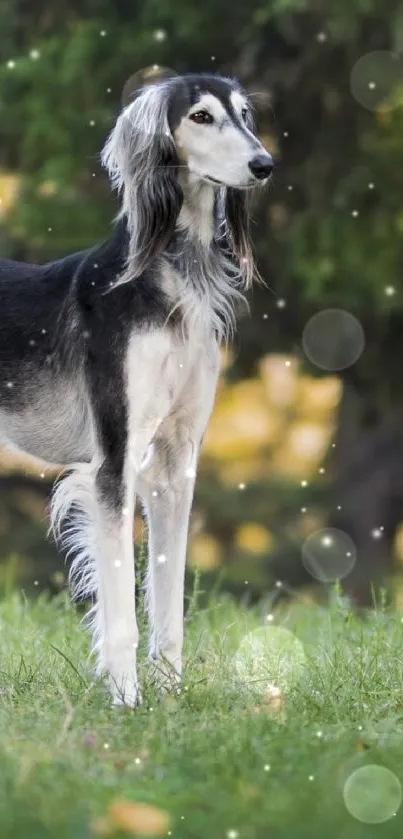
(328, 233)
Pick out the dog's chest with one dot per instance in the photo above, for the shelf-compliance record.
(164, 371)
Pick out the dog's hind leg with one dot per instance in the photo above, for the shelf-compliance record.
(98, 502)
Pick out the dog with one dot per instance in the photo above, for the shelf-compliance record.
(110, 357)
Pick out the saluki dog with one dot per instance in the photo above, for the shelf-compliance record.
(110, 357)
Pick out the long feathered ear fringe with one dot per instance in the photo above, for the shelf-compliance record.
(141, 159)
(237, 223)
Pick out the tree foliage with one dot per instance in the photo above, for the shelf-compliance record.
(328, 232)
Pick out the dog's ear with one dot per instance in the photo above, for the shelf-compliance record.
(141, 159)
(237, 223)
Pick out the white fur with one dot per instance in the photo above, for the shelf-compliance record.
(220, 150)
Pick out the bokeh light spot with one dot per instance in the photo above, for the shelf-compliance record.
(375, 80)
(333, 339)
(270, 654)
(147, 75)
(329, 554)
(372, 794)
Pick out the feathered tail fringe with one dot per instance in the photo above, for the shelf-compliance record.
(73, 515)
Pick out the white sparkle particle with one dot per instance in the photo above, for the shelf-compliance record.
(102, 33)
(32, 342)
(287, 363)
(321, 471)
(125, 511)
(371, 185)
(265, 316)
(304, 483)
(213, 57)
(303, 509)
(290, 188)
(43, 331)
(321, 37)
(34, 54)
(117, 563)
(160, 35)
(95, 265)
(355, 213)
(154, 493)
(279, 584)
(232, 834)
(109, 90)
(156, 67)
(376, 533)
(270, 618)
(360, 728)
(327, 541)
(285, 134)
(319, 734)
(161, 558)
(372, 85)
(339, 507)
(241, 486)
(36, 582)
(190, 472)
(92, 122)
(390, 291)
(281, 304)
(137, 760)
(49, 229)
(10, 65)
(246, 582)
(311, 777)
(42, 474)
(106, 745)
(267, 767)
(181, 365)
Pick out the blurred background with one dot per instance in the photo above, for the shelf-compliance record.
(301, 475)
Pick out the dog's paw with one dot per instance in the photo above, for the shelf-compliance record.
(125, 691)
(165, 676)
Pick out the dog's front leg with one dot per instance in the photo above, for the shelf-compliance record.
(167, 488)
(168, 510)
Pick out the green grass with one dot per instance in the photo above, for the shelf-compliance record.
(217, 757)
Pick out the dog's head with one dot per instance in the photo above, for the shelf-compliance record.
(198, 127)
(210, 119)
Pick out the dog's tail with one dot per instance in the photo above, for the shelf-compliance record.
(73, 516)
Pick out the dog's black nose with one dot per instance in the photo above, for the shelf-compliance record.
(261, 166)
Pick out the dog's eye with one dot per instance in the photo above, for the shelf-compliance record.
(201, 117)
(244, 113)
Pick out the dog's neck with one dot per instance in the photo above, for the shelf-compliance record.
(198, 215)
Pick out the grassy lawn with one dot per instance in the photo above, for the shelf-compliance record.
(227, 757)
